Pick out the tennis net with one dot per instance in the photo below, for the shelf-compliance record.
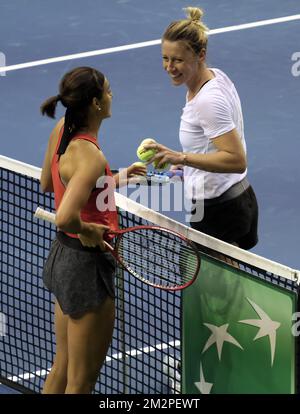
(146, 350)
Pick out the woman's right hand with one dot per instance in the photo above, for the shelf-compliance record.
(92, 235)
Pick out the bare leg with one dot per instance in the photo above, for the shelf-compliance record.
(56, 381)
(89, 338)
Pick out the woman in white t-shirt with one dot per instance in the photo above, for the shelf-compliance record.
(212, 137)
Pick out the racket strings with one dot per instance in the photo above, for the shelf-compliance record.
(159, 257)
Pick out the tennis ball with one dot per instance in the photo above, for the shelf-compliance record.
(164, 166)
(139, 164)
(146, 155)
(148, 141)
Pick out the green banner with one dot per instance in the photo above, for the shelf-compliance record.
(237, 334)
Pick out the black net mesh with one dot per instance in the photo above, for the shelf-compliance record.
(146, 341)
(145, 354)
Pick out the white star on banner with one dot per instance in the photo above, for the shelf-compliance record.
(266, 326)
(219, 336)
(203, 386)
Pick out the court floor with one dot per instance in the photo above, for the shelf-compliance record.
(261, 60)
(258, 59)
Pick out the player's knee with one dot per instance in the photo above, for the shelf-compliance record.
(78, 388)
(82, 385)
(59, 369)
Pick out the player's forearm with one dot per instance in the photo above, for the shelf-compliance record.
(71, 223)
(122, 178)
(218, 162)
(117, 180)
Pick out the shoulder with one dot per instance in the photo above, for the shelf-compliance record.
(53, 139)
(214, 108)
(82, 159)
(221, 76)
(85, 156)
(55, 133)
(83, 151)
(219, 86)
(213, 91)
(212, 100)
(56, 130)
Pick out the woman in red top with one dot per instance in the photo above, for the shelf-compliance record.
(78, 271)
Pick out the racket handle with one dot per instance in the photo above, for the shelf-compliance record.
(44, 215)
(108, 246)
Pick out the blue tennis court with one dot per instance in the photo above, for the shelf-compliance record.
(259, 59)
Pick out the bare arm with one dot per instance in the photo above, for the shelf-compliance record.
(80, 167)
(46, 178)
(229, 157)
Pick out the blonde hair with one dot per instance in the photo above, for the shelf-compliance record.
(190, 30)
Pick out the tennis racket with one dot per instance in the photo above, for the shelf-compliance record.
(155, 255)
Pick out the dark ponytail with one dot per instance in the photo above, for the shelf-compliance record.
(49, 106)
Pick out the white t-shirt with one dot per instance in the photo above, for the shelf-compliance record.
(215, 110)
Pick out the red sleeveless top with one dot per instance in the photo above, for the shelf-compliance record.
(100, 208)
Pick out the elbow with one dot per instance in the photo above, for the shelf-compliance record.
(241, 165)
(66, 223)
(46, 189)
(46, 186)
(61, 222)
(241, 169)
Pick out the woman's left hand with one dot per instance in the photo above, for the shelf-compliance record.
(127, 175)
(137, 168)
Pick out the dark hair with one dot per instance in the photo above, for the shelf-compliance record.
(76, 92)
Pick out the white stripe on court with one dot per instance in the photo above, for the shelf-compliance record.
(143, 44)
(120, 355)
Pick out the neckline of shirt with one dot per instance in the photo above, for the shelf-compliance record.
(200, 90)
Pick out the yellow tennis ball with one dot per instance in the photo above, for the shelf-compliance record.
(164, 166)
(142, 153)
(139, 164)
(148, 141)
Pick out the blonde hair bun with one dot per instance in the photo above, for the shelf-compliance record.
(190, 30)
(194, 13)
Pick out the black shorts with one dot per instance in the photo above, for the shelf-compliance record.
(233, 221)
(80, 278)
